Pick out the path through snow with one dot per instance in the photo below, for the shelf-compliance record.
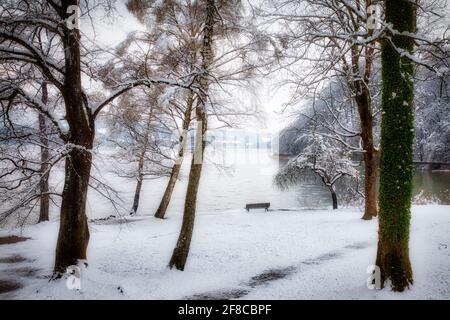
(268, 276)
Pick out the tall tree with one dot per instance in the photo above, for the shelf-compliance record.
(178, 34)
(28, 135)
(180, 253)
(397, 133)
(19, 21)
(45, 157)
(175, 42)
(332, 40)
(161, 211)
(135, 133)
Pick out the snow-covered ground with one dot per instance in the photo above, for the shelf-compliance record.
(311, 254)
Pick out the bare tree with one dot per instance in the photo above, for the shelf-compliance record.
(178, 34)
(324, 41)
(19, 21)
(41, 133)
(181, 250)
(332, 39)
(161, 211)
(177, 41)
(142, 150)
(225, 58)
(26, 140)
(321, 157)
(45, 166)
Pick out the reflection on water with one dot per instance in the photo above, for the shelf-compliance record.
(433, 184)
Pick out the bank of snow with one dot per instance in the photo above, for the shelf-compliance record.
(314, 254)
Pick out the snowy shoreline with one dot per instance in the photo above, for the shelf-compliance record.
(308, 254)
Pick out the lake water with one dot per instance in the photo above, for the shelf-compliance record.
(238, 176)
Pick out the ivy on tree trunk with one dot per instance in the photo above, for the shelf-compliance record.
(396, 158)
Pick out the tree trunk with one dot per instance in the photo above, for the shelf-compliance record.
(137, 193)
(370, 154)
(161, 212)
(364, 106)
(396, 158)
(73, 236)
(45, 166)
(181, 250)
(334, 198)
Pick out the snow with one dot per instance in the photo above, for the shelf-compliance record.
(323, 254)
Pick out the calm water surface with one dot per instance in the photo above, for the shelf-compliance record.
(236, 177)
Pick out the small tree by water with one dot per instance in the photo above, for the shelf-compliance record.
(324, 159)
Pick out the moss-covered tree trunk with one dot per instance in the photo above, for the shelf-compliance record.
(396, 167)
(181, 250)
(161, 212)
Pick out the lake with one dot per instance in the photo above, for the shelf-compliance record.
(235, 177)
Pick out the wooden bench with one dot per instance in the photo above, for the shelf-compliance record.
(265, 205)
